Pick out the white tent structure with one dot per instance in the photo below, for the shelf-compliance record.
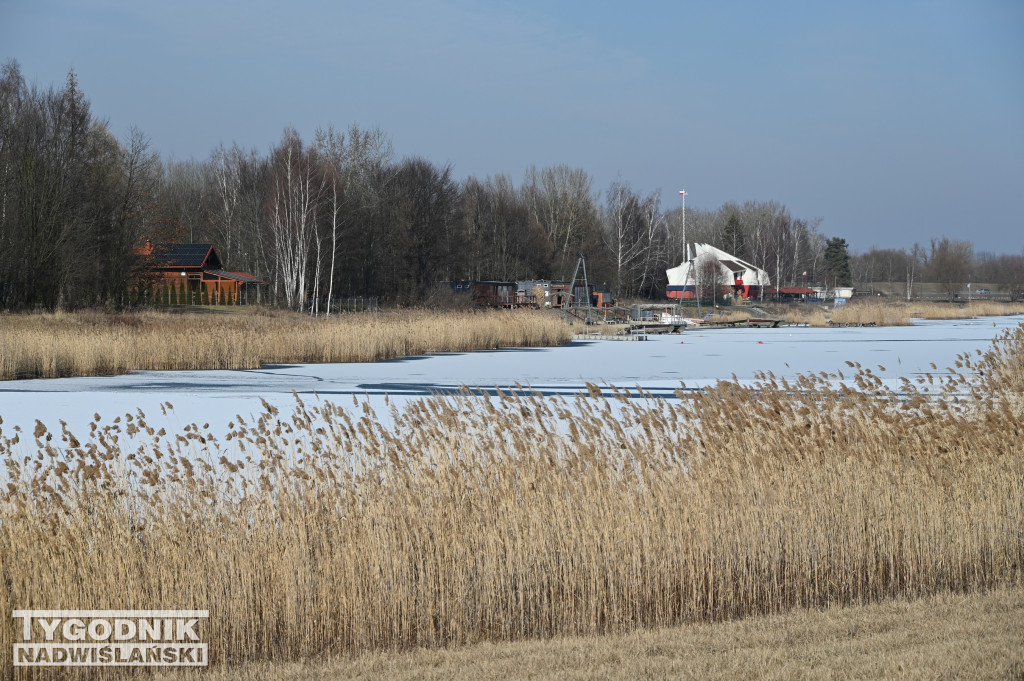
(712, 269)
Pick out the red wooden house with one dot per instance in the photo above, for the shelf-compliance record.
(195, 269)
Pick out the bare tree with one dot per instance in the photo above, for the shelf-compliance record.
(183, 209)
(623, 220)
(707, 272)
(426, 199)
(45, 171)
(949, 264)
(226, 168)
(654, 240)
(779, 235)
(296, 190)
(561, 201)
(761, 217)
(915, 261)
(136, 185)
(357, 170)
(504, 240)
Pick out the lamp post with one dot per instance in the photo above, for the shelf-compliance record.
(682, 195)
(686, 251)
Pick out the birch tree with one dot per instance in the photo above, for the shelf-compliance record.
(622, 217)
(357, 167)
(297, 187)
(226, 170)
(654, 239)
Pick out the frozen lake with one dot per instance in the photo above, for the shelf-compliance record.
(659, 366)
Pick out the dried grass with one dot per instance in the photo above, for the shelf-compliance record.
(326, 533)
(49, 345)
(948, 636)
(888, 313)
(963, 311)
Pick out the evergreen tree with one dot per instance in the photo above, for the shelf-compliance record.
(837, 262)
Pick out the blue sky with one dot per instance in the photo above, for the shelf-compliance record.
(894, 122)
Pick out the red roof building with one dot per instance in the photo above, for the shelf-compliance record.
(791, 292)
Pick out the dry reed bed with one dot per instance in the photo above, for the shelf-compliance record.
(890, 313)
(468, 519)
(966, 311)
(90, 343)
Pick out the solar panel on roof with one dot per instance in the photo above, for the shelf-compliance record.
(181, 255)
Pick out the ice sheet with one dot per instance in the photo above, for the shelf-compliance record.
(659, 366)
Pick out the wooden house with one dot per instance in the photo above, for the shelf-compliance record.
(194, 269)
(494, 293)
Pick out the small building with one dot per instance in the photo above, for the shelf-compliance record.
(792, 293)
(543, 292)
(600, 295)
(195, 269)
(488, 293)
(843, 292)
(494, 293)
(533, 293)
(558, 292)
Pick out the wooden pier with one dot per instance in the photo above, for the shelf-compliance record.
(604, 337)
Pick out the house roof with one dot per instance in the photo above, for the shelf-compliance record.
(185, 255)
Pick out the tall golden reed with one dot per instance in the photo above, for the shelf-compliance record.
(889, 312)
(456, 519)
(90, 343)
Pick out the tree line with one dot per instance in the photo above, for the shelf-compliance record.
(338, 216)
(950, 263)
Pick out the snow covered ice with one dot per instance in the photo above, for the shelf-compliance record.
(659, 366)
